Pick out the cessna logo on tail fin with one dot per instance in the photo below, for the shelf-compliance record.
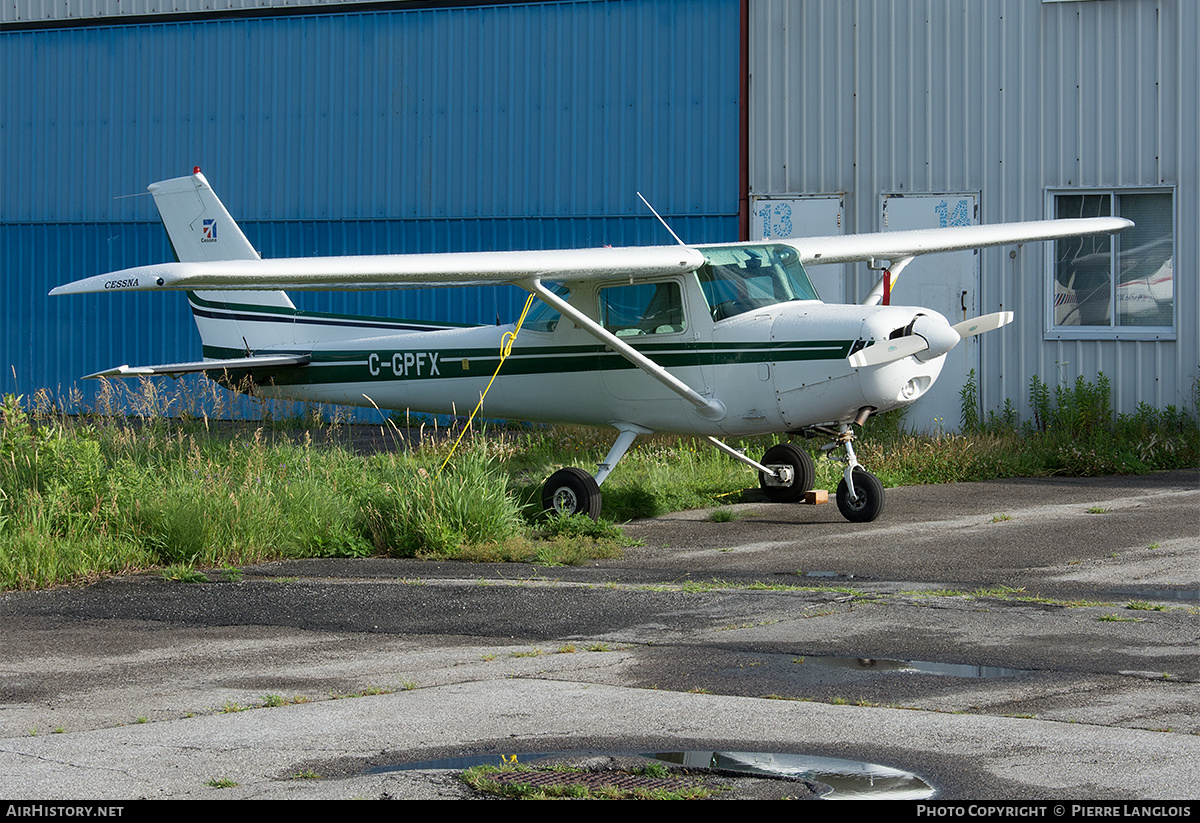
(208, 231)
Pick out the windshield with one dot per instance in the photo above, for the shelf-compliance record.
(738, 279)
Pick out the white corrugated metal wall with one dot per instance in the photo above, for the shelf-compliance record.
(25, 11)
(1009, 98)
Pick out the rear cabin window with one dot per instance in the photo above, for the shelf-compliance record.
(543, 316)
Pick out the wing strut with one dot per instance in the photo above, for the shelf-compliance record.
(708, 407)
(887, 280)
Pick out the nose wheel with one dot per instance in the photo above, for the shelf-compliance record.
(863, 502)
(860, 494)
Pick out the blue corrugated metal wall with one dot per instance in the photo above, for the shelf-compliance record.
(444, 129)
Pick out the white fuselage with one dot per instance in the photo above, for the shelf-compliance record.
(777, 368)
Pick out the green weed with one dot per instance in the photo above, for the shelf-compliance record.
(653, 769)
(1011, 593)
(723, 516)
(182, 573)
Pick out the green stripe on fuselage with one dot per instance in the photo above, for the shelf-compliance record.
(422, 364)
(287, 314)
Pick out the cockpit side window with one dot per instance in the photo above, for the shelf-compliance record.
(642, 308)
(739, 279)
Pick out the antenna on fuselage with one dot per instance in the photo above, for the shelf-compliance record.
(660, 219)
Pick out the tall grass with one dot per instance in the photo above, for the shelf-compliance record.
(99, 495)
(1069, 430)
(93, 495)
(1073, 430)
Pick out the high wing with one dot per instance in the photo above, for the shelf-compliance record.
(528, 269)
(897, 245)
(399, 271)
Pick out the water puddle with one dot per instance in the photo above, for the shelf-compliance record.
(925, 667)
(850, 779)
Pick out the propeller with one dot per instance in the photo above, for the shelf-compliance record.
(928, 336)
(985, 322)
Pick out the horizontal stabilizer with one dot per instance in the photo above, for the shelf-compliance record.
(235, 363)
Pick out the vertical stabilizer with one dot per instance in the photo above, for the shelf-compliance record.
(198, 224)
(231, 323)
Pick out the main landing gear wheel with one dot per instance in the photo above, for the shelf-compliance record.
(572, 491)
(867, 503)
(797, 463)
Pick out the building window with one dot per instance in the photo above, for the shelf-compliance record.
(1120, 286)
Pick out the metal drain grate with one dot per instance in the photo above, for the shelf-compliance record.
(592, 780)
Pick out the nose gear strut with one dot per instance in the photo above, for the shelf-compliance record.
(860, 494)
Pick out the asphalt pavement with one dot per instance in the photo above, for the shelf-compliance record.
(1017, 640)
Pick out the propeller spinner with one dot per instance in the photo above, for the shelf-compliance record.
(928, 336)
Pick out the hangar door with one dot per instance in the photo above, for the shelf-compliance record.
(947, 283)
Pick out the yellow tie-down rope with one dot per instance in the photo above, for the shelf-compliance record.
(506, 343)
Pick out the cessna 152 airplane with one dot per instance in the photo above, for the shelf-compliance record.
(715, 340)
